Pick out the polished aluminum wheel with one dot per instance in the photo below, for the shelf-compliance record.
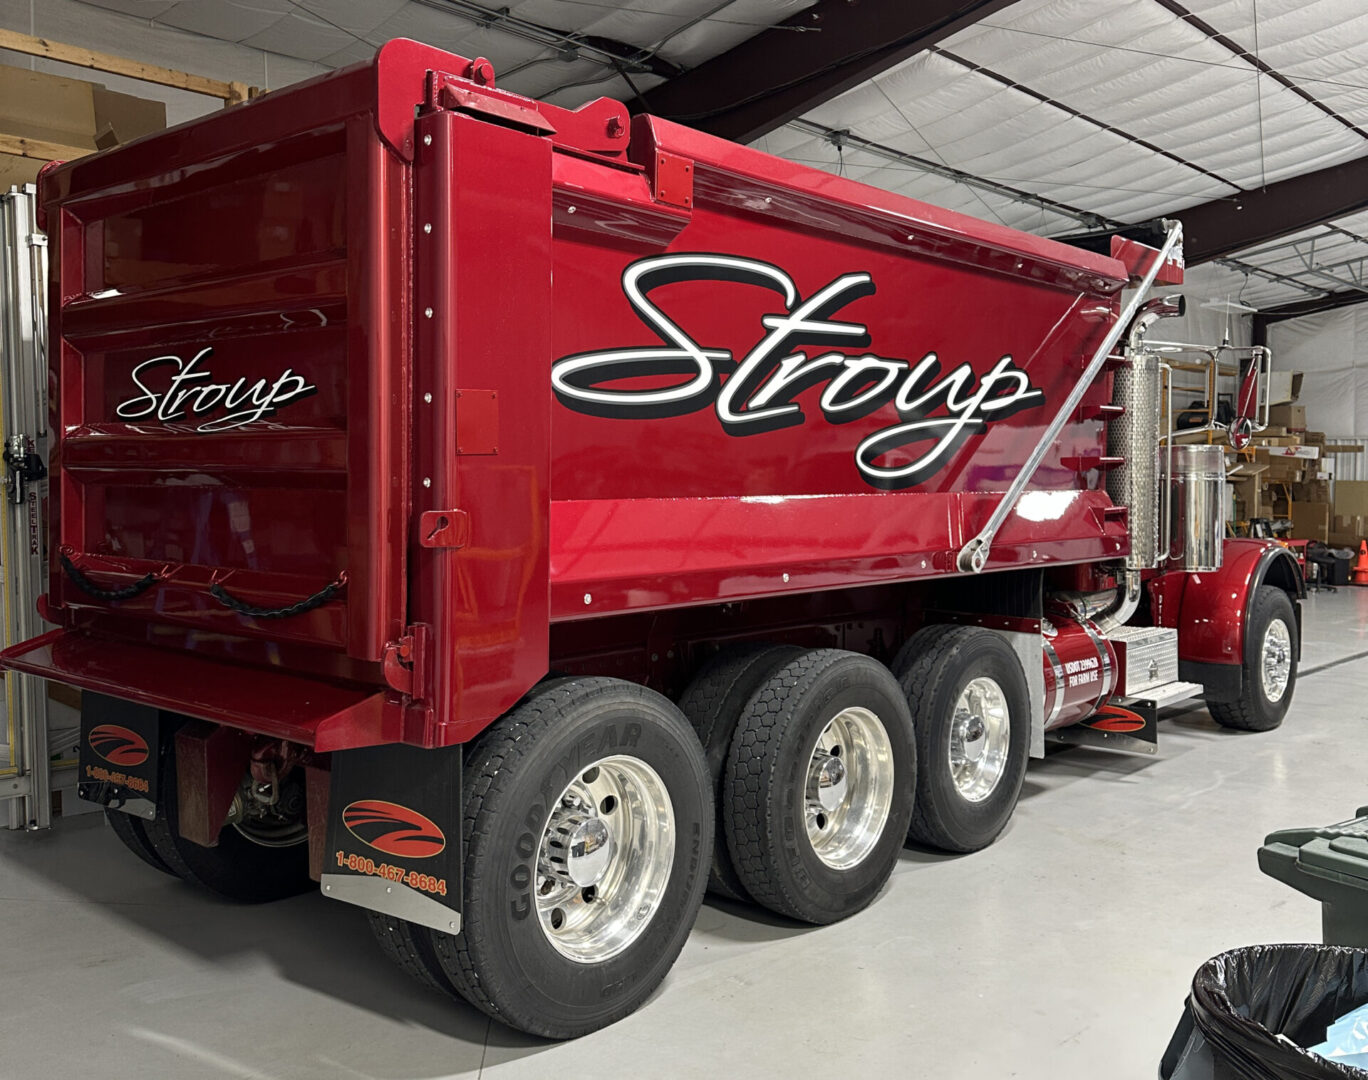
(849, 788)
(605, 859)
(1275, 660)
(980, 738)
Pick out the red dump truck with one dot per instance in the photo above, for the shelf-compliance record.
(518, 519)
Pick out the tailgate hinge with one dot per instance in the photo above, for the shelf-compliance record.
(473, 92)
(405, 662)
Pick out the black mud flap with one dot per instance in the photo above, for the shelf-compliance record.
(1130, 724)
(394, 833)
(120, 754)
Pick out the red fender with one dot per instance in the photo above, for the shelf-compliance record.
(1211, 610)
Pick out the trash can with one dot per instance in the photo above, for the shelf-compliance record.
(1252, 1010)
(1329, 864)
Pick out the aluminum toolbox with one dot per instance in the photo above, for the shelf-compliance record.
(1147, 657)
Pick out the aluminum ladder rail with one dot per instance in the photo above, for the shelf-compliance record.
(26, 777)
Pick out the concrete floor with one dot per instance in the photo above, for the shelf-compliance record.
(1065, 950)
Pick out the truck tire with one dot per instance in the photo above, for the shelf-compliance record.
(130, 830)
(410, 947)
(246, 867)
(971, 711)
(713, 704)
(1270, 666)
(588, 828)
(819, 785)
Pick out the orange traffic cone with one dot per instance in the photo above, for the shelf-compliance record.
(1360, 575)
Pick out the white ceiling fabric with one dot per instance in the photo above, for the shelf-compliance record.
(1122, 110)
(1058, 98)
(339, 32)
(1322, 45)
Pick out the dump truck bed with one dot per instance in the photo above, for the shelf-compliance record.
(362, 385)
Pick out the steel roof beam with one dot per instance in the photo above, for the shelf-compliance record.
(786, 70)
(1227, 225)
(1295, 309)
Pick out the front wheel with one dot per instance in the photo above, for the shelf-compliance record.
(1270, 666)
(588, 831)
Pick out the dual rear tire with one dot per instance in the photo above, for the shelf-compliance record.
(249, 864)
(817, 790)
(971, 710)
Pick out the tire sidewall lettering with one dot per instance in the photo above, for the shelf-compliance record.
(539, 960)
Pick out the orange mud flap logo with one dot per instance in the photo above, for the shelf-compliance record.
(1126, 725)
(118, 746)
(118, 754)
(393, 829)
(1118, 721)
(385, 803)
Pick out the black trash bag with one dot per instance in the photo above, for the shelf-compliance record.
(1242, 1000)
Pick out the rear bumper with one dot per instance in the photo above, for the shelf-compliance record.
(283, 704)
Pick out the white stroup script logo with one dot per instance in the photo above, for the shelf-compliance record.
(192, 393)
(937, 409)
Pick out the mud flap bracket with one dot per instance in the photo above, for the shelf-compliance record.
(394, 833)
(1130, 724)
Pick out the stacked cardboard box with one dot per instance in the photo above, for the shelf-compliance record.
(51, 116)
(1349, 523)
(1289, 475)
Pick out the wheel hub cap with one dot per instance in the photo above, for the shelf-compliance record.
(829, 782)
(849, 790)
(579, 849)
(1276, 660)
(974, 737)
(604, 860)
(980, 738)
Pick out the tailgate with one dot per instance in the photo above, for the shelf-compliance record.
(230, 364)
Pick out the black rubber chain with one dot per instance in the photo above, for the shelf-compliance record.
(317, 600)
(87, 586)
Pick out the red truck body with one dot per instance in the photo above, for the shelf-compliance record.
(287, 242)
(382, 397)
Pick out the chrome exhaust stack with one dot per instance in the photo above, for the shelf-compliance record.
(1138, 388)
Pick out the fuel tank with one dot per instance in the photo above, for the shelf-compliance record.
(1080, 670)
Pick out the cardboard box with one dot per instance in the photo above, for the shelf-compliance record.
(121, 118)
(1313, 438)
(1351, 498)
(1284, 387)
(1248, 491)
(1310, 521)
(1347, 531)
(1302, 453)
(1311, 490)
(68, 113)
(1292, 417)
(1285, 464)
